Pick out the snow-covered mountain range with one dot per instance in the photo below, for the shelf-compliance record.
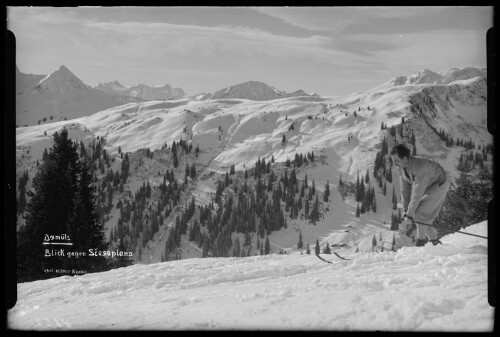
(389, 290)
(61, 95)
(254, 90)
(142, 91)
(58, 96)
(344, 133)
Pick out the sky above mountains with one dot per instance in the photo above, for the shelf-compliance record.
(327, 50)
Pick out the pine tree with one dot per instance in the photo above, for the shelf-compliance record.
(358, 189)
(317, 248)
(236, 249)
(374, 202)
(394, 222)
(327, 249)
(467, 200)
(385, 147)
(388, 175)
(314, 216)
(174, 154)
(186, 171)
(62, 202)
(267, 247)
(21, 201)
(374, 242)
(394, 199)
(326, 195)
(300, 244)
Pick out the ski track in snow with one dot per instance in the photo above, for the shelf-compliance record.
(431, 288)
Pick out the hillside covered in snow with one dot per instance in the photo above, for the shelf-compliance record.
(344, 133)
(229, 186)
(432, 288)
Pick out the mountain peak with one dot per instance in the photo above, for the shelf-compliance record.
(425, 76)
(61, 81)
(254, 90)
(64, 69)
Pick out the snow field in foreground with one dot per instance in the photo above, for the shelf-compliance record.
(431, 288)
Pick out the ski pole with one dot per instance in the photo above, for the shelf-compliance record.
(451, 230)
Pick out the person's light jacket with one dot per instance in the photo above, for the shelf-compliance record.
(425, 177)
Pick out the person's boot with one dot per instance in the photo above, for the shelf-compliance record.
(420, 242)
(436, 241)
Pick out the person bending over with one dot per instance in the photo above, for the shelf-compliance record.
(424, 185)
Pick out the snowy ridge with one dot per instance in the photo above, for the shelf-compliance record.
(427, 76)
(142, 91)
(254, 90)
(456, 74)
(430, 288)
(56, 97)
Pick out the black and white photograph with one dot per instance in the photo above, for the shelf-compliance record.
(252, 168)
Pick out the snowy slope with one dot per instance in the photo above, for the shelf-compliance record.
(431, 288)
(58, 96)
(240, 131)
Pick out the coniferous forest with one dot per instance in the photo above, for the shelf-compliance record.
(79, 188)
(75, 192)
(62, 204)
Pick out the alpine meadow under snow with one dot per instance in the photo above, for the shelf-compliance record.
(389, 285)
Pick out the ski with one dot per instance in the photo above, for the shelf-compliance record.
(340, 257)
(319, 257)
